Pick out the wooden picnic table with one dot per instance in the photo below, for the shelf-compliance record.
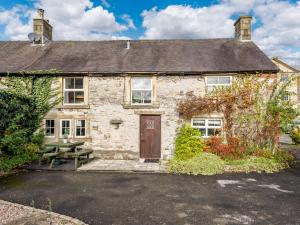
(71, 145)
(58, 152)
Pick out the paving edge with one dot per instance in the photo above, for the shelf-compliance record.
(123, 171)
(68, 218)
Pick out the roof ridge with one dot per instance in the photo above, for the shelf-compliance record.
(133, 40)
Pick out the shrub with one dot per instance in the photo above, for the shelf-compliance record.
(295, 135)
(188, 143)
(19, 120)
(285, 158)
(254, 164)
(204, 163)
(262, 153)
(8, 163)
(231, 150)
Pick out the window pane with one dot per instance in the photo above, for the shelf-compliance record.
(69, 83)
(214, 123)
(49, 128)
(212, 80)
(78, 83)
(69, 97)
(147, 97)
(213, 132)
(79, 96)
(224, 80)
(210, 131)
(48, 131)
(65, 126)
(136, 97)
(198, 122)
(65, 131)
(66, 123)
(218, 132)
(203, 131)
(139, 83)
(78, 133)
(80, 128)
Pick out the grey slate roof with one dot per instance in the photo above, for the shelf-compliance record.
(166, 56)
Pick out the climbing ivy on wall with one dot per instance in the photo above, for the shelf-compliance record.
(253, 109)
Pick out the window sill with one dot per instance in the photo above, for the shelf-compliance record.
(73, 107)
(155, 105)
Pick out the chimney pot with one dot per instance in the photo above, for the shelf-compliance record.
(128, 45)
(243, 28)
(40, 13)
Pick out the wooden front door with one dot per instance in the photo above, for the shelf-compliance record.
(150, 137)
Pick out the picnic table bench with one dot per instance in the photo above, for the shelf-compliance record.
(80, 155)
(53, 151)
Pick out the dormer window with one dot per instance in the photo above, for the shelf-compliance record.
(73, 90)
(141, 90)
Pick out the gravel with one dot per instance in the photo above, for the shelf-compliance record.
(11, 213)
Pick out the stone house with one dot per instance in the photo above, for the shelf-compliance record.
(120, 97)
(288, 72)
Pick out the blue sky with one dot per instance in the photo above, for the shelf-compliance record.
(276, 23)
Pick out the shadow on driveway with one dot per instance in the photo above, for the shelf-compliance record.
(132, 198)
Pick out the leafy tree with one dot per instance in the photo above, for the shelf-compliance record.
(24, 102)
(37, 85)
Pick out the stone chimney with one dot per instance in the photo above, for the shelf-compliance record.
(41, 26)
(243, 28)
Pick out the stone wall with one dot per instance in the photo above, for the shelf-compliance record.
(106, 102)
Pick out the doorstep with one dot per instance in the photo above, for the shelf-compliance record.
(124, 165)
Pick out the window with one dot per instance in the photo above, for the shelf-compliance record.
(49, 128)
(73, 90)
(141, 90)
(208, 127)
(286, 96)
(65, 128)
(284, 78)
(80, 128)
(215, 81)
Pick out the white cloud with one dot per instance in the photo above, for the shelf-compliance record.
(71, 20)
(129, 21)
(277, 30)
(105, 3)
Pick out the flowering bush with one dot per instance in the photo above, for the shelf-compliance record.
(230, 150)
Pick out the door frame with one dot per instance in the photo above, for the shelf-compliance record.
(140, 120)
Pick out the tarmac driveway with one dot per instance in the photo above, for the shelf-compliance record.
(132, 198)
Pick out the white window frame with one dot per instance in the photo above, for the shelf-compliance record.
(75, 128)
(131, 90)
(206, 126)
(75, 89)
(218, 85)
(45, 127)
(284, 77)
(61, 135)
(286, 94)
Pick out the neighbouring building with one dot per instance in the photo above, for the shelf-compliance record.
(121, 97)
(286, 73)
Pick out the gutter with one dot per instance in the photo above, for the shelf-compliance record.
(124, 73)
